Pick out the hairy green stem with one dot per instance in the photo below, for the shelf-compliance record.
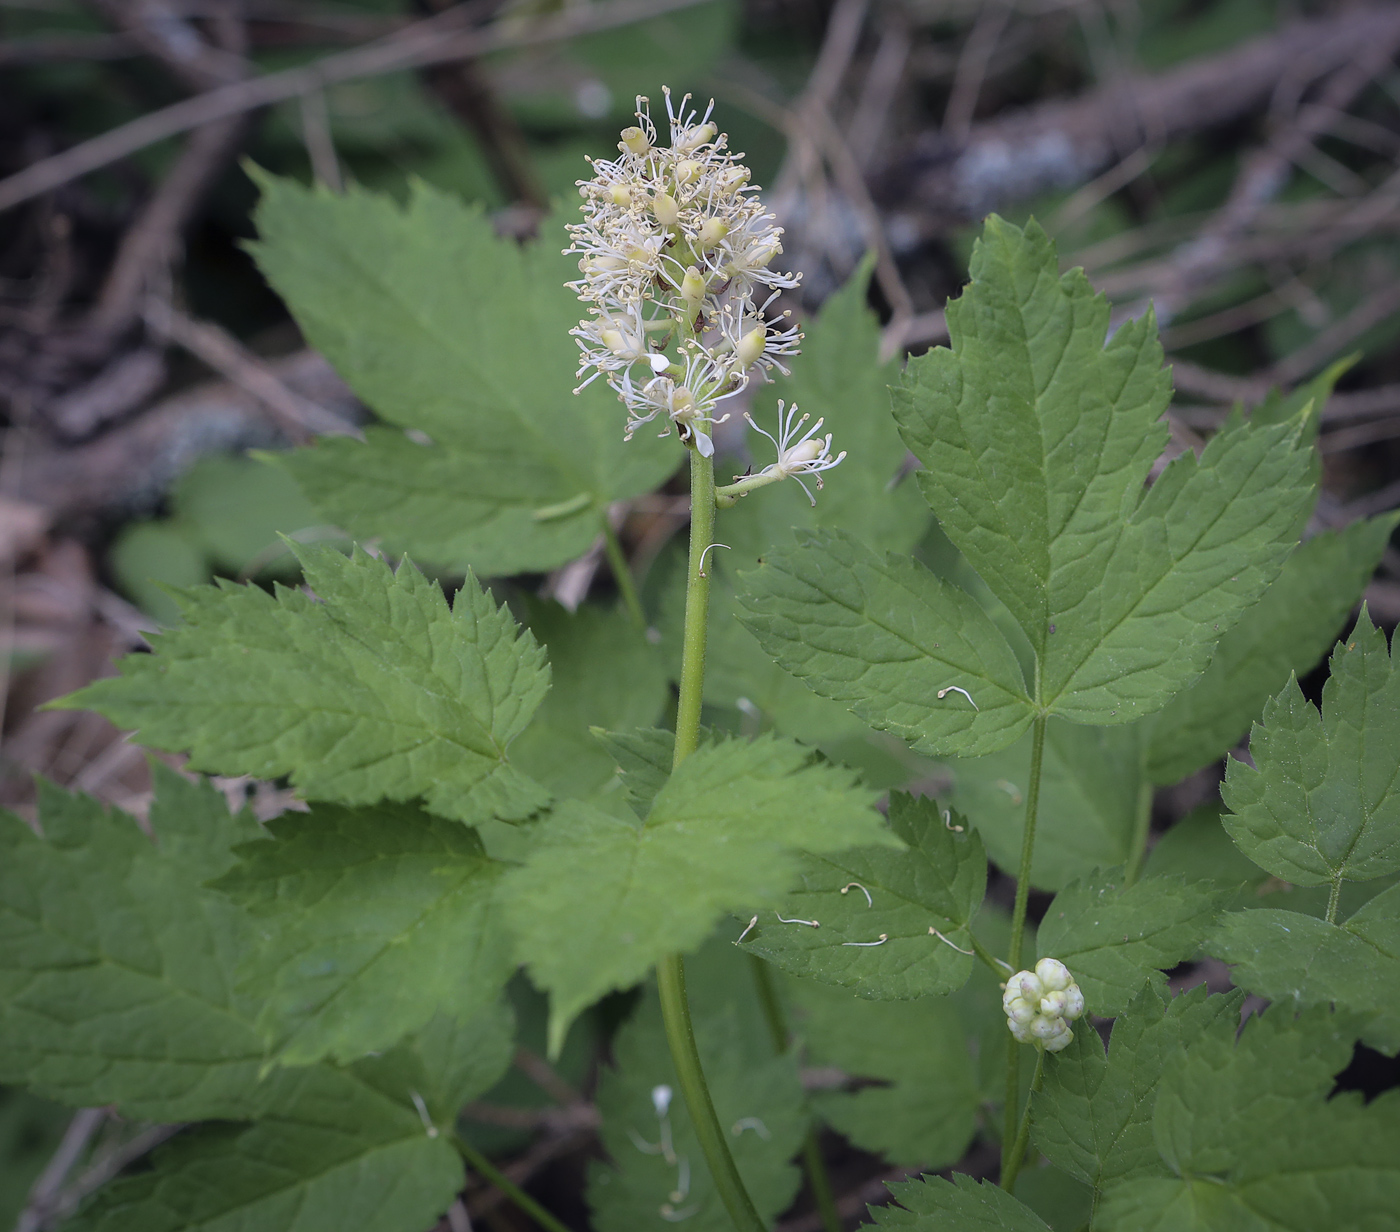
(1142, 828)
(812, 1161)
(670, 971)
(1011, 1165)
(1334, 899)
(1018, 923)
(622, 574)
(476, 1160)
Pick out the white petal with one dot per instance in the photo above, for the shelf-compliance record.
(659, 363)
(704, 444)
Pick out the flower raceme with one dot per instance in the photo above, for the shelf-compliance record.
(1041, 1004)
(674, 255)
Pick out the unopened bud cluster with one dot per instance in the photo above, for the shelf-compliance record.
(1041, 1004)
(674, 249)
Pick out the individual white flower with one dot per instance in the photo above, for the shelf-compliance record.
(1040, 1005)
(808, 454)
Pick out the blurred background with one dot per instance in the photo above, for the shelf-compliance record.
(1232, 161)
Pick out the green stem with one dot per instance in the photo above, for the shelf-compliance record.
(1018, 921)
(1012, 1164)
(1142, 828)
(475, 1159)
(999, 968)
(812, 1161)
(622, 574)
(1334, 900)
(727, 497)
(670, 971)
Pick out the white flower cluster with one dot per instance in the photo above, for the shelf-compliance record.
(1041, 1004)
(673, 250)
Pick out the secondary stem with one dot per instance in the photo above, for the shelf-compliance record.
(475, 1159)
(1018, 923)
(1012, 1165)
(1142, 827)
(812, 1161)
(622, 574)
(670, 971)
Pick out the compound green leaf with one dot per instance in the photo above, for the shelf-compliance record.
(1295, 959)
(372, 690)
(1321, 802)
(459, 338)
(1037, 438)
(601, 899)
(1259, 1142)
(1287, 631)
(938, 882)
(605, 674)
(917, 1097)
(932, 1204)
(1091, 790)
(905, 650)
(839, 378)
(1115, 940)
(1093, 1115)
(758, 1098)
(370, 922)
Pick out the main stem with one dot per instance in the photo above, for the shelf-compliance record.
(1012, 1164)
(1018, 930)
(670, 971)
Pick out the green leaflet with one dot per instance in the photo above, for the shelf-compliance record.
(606, 674)
(600, 899)
(1091, 790)
(1288, 630)
(921, 1109)
(903, 648)
(1296, 959)
(1256, 1142)
(370, 921)
(938, 883)
(444, 329)
(1036, 439)
(373, 690)
(1093, 1116)
(757, 1096)
(1114, 941)
(838, 378)
(1320, 804)
(932, 1204)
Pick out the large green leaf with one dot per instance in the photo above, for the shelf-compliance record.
(1115, 940)
(658, 1174)
(1296, 959)
(1092, 789)
(861, 895)
(370, 922)
(932, 1204)
(1093, 1116)
(373, 689)
(1321, 803)
(461, 338)
(1259, 1143)
(908, 652)
(1037, 438)
(600, 899)
(916, 1095)
(1287, 631)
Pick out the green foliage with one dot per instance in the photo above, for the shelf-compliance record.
(917, 1095)
(1115, 940)
(929, 1205)
(1036, 439)
(1295, 959)
(888, 637)
(370, 922)
(485, 459)
(1320, 803)
(938, 882)
(600, 899)
(374, 689)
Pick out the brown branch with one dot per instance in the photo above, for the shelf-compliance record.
(437, 40)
